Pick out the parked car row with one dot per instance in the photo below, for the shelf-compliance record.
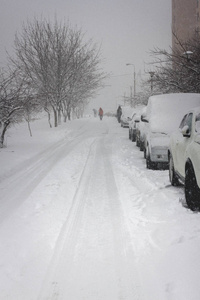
(168, 142)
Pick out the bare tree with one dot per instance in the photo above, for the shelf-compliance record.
(11, 102)
(177, 70)
(58, 63)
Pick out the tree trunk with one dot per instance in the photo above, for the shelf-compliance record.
(49, 116)
(29, 127)
(3, 131)
(69, 114)
(59, 117)
(55, 117)
(65, 118)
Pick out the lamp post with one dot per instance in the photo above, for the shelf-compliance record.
(134, 90)
(188, 55)
(151, 75)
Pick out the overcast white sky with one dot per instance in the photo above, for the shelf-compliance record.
(125, 29)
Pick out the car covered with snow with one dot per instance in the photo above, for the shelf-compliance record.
(134, 122)
(163, 116)
(127, 114)
(184, 157)
(133, 127)
(140, 130)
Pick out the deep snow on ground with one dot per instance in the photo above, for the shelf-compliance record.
(82, 218)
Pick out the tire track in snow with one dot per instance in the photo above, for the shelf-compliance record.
(42, 154)
(125, 260)
(93, 258)
(64, 251)
(25, 181)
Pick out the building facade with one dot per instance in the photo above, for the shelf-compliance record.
(185, 19)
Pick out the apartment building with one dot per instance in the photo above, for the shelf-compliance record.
(185, 19)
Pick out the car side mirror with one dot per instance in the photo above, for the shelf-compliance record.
(144, 119)
(137, 119)
(185, 131)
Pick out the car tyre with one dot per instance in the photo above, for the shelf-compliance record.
(137, 142)
(149, 163)
(133, 138)
(145, 155)
(129, 135)
(172, 174)
(192, 191)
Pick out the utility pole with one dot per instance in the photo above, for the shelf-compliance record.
(134, 80)
(131, 95)
(134, 85)
(151, 75)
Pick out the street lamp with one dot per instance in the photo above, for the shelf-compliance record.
(134, 78)
(151, 75)
(188, 55)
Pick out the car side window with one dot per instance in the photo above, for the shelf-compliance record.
(197, 123)
(188, 121)
(183, 122)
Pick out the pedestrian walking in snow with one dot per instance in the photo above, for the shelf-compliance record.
(119, 113)
(100, 113)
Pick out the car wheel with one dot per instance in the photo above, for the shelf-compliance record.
(192, 191)
(133, 138)
(129, 135)
(149, 163)
(172, 174)
(137, 142)
(144, 152)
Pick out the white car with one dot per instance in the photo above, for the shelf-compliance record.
(184, 157)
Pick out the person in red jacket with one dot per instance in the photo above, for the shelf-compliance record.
(101, 113)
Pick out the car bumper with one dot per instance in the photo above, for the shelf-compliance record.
(125, 124)
(159, 155)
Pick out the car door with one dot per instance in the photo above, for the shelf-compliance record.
(182, 143)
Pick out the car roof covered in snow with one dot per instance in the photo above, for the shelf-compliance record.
(127, 111)
(166, 111)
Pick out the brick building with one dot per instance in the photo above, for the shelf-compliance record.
(185, 19)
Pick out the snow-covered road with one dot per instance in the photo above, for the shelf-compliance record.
(82, 218)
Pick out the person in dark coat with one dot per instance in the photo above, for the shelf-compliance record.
(119, 113)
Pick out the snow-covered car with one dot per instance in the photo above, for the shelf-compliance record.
(127, 114)
(134, 123)
(140, 131)
(163, 116)
(184, 157)
(133, 127)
